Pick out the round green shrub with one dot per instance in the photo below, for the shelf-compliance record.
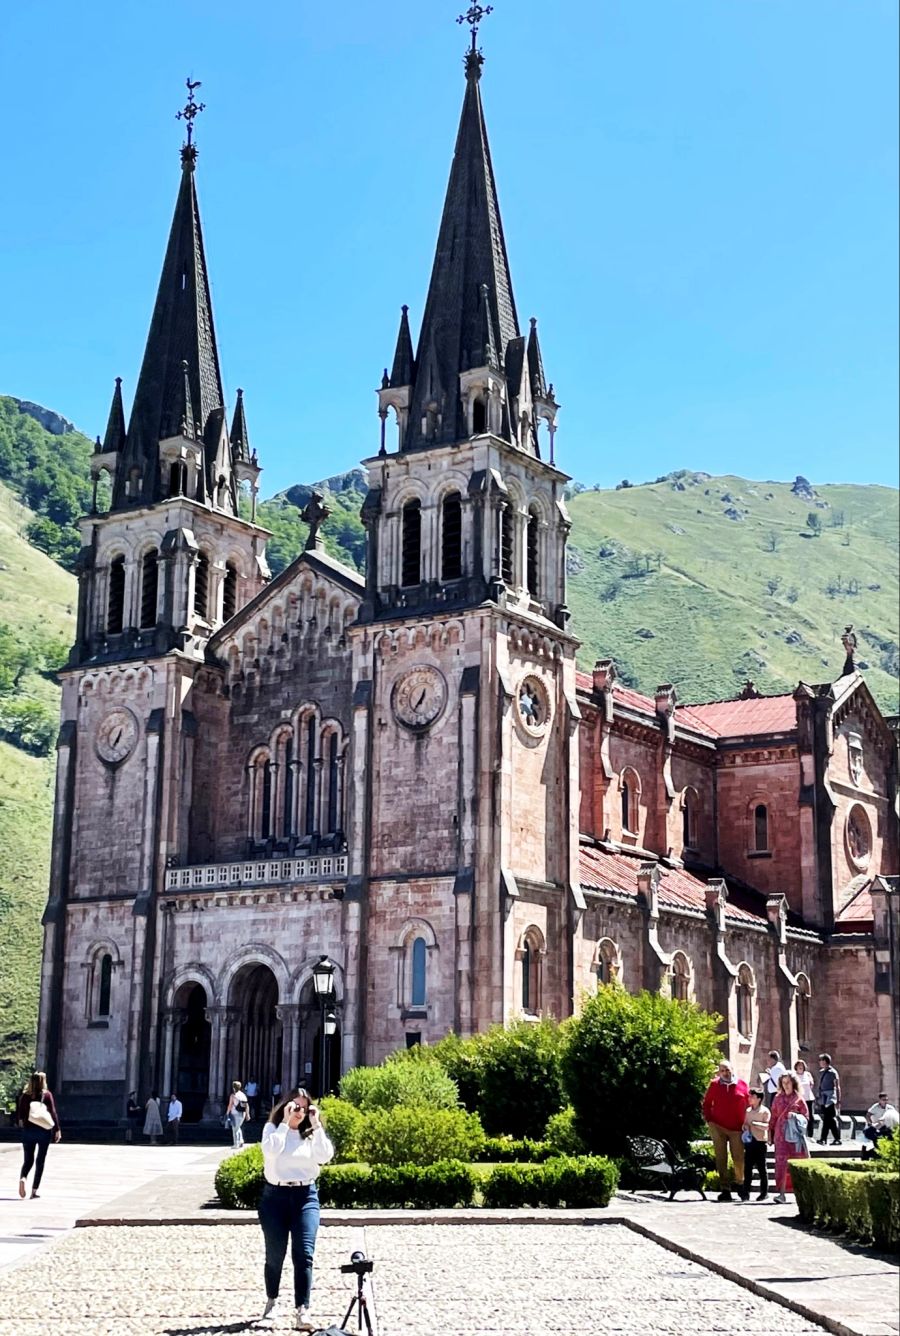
(637, 1065)
(419, 1136)
(519, 1078)
(400, 1085)
(239, 1179)
(562, 1135)
(342, 1121)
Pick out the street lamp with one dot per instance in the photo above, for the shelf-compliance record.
(323, 984)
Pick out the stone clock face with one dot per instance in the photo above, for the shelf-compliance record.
(419, 697)
(116, 736)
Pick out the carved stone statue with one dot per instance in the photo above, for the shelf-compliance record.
(315, 514)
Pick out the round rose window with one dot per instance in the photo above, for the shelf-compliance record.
(533, 705)
(859, 837)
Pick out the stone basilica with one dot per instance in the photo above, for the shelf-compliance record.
(406, 773)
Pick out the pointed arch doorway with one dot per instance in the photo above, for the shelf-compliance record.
(256, 1054)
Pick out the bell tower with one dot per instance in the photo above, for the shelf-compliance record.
(464, 670)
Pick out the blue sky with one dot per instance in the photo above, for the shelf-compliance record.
(699, 198)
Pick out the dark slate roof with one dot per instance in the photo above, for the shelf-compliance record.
(114, 439)
(536, 363)
(240, 437)
(471, 253)
(404, 367)
(181, 331)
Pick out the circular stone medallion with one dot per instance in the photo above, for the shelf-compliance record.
(116, 736)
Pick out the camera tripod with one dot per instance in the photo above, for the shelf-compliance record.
(363, 1321)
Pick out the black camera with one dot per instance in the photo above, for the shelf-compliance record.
(359, 1265)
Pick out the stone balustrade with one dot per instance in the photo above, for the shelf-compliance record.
(257, 872)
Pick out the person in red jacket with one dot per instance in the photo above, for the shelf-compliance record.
(724, 1105)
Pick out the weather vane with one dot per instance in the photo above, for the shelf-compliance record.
(473, 17)
(190, 109)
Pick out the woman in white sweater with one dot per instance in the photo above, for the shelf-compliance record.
(294, 1147)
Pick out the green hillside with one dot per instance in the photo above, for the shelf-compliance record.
(705, 582)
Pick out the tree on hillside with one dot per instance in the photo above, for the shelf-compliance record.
(814, 522)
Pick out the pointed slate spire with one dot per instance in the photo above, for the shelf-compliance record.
(240, 437)
(404, 368)
(114, 440)
(471, 253)
(181, 332)
(536, 364)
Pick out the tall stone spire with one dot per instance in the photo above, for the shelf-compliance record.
(114, 439)
(179, 375)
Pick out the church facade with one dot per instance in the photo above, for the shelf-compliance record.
(407, 774)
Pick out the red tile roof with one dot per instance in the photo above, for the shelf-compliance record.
(739, 718)
(858, 913)
(603, 870)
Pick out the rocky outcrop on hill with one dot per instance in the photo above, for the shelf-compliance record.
(55, 423)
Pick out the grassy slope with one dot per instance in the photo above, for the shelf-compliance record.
(32, 589)
(714, 621)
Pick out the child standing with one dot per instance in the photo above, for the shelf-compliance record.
(755, 1136)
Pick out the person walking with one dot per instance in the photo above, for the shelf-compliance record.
(787, 1132)
(251, 1090)
(133, 1114)
(235, 1114)
(153, 1127)
(807, 1092)
(174, 1115)
(36, 1115)
(294, 1148)
(755, 1136)
(724, 1106)
(829, 1099)
(770, 1077)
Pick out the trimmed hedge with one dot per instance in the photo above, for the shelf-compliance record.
(421, 1085)
(573, 1181)
(418, 1136)
(849, 1197)
(508, 1150)
(444, 1185)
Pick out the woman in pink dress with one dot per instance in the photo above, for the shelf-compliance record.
(787, 1101)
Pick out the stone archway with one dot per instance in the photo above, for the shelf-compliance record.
(256, 1050)
(192, 1051)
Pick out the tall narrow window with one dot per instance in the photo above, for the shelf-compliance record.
(178, 478)
(334, 820)
(689, 819)
(229, 592)
(201, 586)
(533, 572)
(411, 561)
(287, 812)
(630, 804)
(266, 802)
(760, 828)
(526, 975)
(417, 973)
(149, 588)
(803, 1017)
(479, 417)
(530, 960)
(310, 822)
(745, 1001)
(681, 977)
(626, 806)
(507, 529)
(105, 990)
(115, 612)
(451, 537)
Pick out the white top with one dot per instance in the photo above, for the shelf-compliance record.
(290, 1158)
(773, 1073)
(807, 1086)
(885, 1115)
(175, 1110)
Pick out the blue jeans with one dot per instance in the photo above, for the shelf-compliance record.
(290, 1213)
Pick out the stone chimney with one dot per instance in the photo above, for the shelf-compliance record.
(665, 709)
(776, 913)
(716, 895)
(648, 879)
(848, 640)
(604, 681)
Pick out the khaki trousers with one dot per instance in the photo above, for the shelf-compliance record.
(722, 1138)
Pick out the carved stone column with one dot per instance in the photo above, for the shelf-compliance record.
(287, 1013)
(170, 1020)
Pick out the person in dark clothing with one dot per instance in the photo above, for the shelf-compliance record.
(755, 1136)
(829, 1099)
(36, 1115)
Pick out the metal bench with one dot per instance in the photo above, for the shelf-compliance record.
(656, 1157)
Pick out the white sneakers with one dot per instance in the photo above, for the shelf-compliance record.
(270, 1312)
(301, 1321)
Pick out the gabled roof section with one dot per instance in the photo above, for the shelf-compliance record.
(604, 870)
(470, 255)
(743, 718)
(181, 332)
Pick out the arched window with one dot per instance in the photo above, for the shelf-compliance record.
(630, 795)
(149, 589)
(681, 977)
(689, 814)
(745, 990)
(608, 963)
(803, 1017)
(760, 828)
(530, 965)
(265, 818)
(533, 564)
(411, 559)
(115, 610)
(333, 816)
(201, 586)
(479, 416)
(221, 493)
(178, 478)
(309, 823)
(451, 537)
(507, 543)
(104, 990)
(133, 486)
(287, 793)
(229, 591)
(418, 959)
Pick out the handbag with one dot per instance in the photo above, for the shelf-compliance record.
(39, 1115)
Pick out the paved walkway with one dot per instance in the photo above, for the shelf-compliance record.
(479, 1272)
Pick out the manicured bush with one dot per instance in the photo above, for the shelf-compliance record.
(343, 1121)
(419, 1136)
(509, 1150)
(344, 1185)
(850, 1197)
(637, 1065)
(444, 1185)
(461, 1059)
(239, 1179)
(887, 1153)
(400, 1084)
(573, 1181)
(519, 1087)
(562, 1135)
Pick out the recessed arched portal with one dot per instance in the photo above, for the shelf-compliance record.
(193, 1050)
(257, 1049)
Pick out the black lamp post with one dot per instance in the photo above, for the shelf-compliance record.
(323, 983)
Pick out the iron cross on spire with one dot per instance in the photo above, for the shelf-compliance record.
(190, 109)
(473, 17)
